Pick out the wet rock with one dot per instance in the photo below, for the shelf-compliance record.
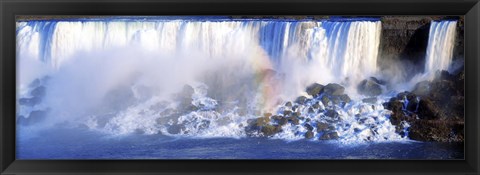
(322, 127)
(437, 130)
(422, 88)
(309, 135)
(428, 110)
(316, 105)
(369, 87)
(332, 114)
(345, 98)
(325, 100)
(287, 113)
(294, 108)
(289, 104)
(282, 121)
(329, 136)
(270, 130)
(308, 126)
(333, 89)
(301, 100)
(371, 100)
(314, 89)
(294, 120)
(311, 110)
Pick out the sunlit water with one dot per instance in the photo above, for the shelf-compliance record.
(91, 145)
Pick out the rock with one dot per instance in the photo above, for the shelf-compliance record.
(371, 100)
(301, 100)
(428, 110)
(294, 108)
(276, 117)
(422, 88)
(444, 75)
(289, 104)
(314, 89)
(287, 113)
(332, 114)
(310, 110)
(294, 120)
(316, 105)
(267, 115)
(309, 135)
(345, 98)
(270, 130)
(262, 121)
(308, 126)
(282, 121)
(325, 100)
(333, 89)
(437, 130)
(322, 127)
(369, 87)
(329, 136)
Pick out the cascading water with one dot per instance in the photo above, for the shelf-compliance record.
(256, 66)
(440, 46)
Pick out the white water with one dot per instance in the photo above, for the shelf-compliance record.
(440, 46)
(89, 59)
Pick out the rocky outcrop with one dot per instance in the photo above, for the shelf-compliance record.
(434, 110)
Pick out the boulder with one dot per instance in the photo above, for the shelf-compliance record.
(322, 127)
(329, 136)
(270, 130)
(309, 135)
(333, 89)
(301, 100)
(288, 104)
(422, 88)
(294, 120)
(369, 87)
(315, 89)
(325, 100)
(308, 126)
(428, 110)
(332, 114)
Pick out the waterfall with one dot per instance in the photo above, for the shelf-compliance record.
(237, 57)
(347, 47)
(440, 46)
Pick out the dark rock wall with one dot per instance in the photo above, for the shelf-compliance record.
(404, 41)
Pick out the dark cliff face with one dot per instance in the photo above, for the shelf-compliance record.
(404, 41)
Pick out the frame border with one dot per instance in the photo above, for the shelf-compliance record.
(9, 9)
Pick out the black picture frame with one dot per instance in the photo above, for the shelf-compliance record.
(10, 8)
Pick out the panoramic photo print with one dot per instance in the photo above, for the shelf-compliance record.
(240, 87)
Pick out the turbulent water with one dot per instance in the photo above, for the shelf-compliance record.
(124, 76)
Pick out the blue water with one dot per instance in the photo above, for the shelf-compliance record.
(81, 144)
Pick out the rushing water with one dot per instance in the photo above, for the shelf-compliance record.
(119, 81)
